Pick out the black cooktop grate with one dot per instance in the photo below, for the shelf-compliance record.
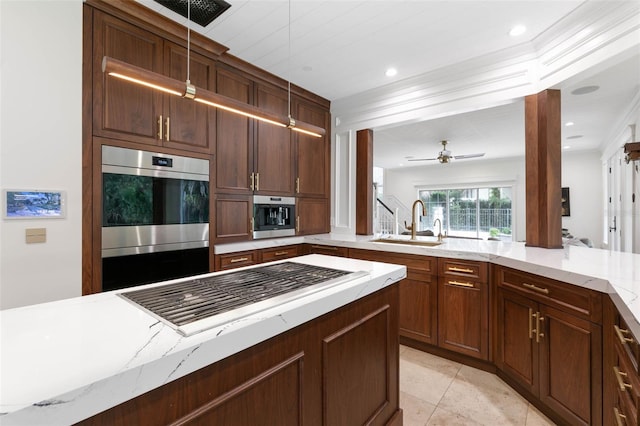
(184, 302)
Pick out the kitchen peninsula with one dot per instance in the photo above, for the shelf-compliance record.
(66, 361)
(560, 326)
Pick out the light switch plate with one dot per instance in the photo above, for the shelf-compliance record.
(35, 235)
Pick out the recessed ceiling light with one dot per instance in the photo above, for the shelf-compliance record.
(566, 146)
(391, 72)
(569, 123)
(574, 137)
(584, 90)
(517, 30)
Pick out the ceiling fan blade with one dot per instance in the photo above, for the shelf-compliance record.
(462, 157)
(421, 159)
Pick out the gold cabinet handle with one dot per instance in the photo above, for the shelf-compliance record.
(297, 185)
(239, 259)
(621, 419)
(461, 284)
(166, 130)
(160, 124)
(325, 247)
(252, 185)
(539, 334)
(536, 288)
(457, 269)
(253, 224)
(281, 253)
(620, 375)
(621, 332)
(298, 224)
(531, 316)
(257, 181)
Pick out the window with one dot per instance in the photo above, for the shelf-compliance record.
(470, 212)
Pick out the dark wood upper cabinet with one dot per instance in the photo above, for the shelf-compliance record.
(124, 110)
(274, 154)
(188, 125)
(129, 112)
(312, 216)
(312, 154)
(234, 142)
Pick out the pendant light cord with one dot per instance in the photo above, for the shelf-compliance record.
(188, 41)
(289, 67)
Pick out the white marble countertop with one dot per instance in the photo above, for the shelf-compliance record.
(61, 362)
(615, 273)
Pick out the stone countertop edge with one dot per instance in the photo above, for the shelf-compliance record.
(65, 361)
(613, 273)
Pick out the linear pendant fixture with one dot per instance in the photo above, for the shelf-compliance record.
(153, 80)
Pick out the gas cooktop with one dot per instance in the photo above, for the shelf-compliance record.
(194, 305)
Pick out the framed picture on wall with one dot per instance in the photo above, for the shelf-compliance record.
(33, 204)
(566, 207)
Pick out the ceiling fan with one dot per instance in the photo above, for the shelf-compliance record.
(445, 155)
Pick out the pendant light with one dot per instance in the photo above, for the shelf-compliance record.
(119, 69)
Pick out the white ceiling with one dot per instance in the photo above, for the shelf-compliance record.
(339, 48)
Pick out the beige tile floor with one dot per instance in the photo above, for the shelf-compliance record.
(436, 391)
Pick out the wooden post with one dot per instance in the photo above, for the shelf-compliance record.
(364, 182)
(543, 170)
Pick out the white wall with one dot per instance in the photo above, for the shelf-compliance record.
(581, 172)
(404, 182)
(41, 144)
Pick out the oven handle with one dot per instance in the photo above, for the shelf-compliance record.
(106, 168)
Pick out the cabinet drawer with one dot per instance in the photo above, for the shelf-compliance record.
(279, 253)
(421, 268)
(626, 380)
(463, 268)
(627, 341)
(579, 301)
(328, 250)
(236, 260)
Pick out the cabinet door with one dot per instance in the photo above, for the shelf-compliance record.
(234, 141)
(418, 309)
(517, 353)
(463, 316)
(312, 216)
(233, 218)
(188, 125)
(570, 366)
(313, 154)
(274, 157)
(121, 109)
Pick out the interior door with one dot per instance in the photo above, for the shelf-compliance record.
(612, 235)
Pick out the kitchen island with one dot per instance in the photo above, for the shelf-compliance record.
(63, 362)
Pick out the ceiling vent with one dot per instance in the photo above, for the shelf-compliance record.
(203, 12)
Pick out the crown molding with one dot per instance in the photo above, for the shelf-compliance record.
(591, 35)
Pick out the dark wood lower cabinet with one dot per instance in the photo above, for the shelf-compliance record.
(463, 307)
(553, 356)
(339, 369)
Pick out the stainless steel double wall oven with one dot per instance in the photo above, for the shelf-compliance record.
(155, 217)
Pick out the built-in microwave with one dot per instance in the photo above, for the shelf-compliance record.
(273, 216)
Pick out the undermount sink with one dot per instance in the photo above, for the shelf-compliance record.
(407, 241)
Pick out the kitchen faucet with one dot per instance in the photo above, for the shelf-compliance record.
(438, 221)
(413, 217)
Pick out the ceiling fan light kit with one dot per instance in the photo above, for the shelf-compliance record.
(445, 156)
